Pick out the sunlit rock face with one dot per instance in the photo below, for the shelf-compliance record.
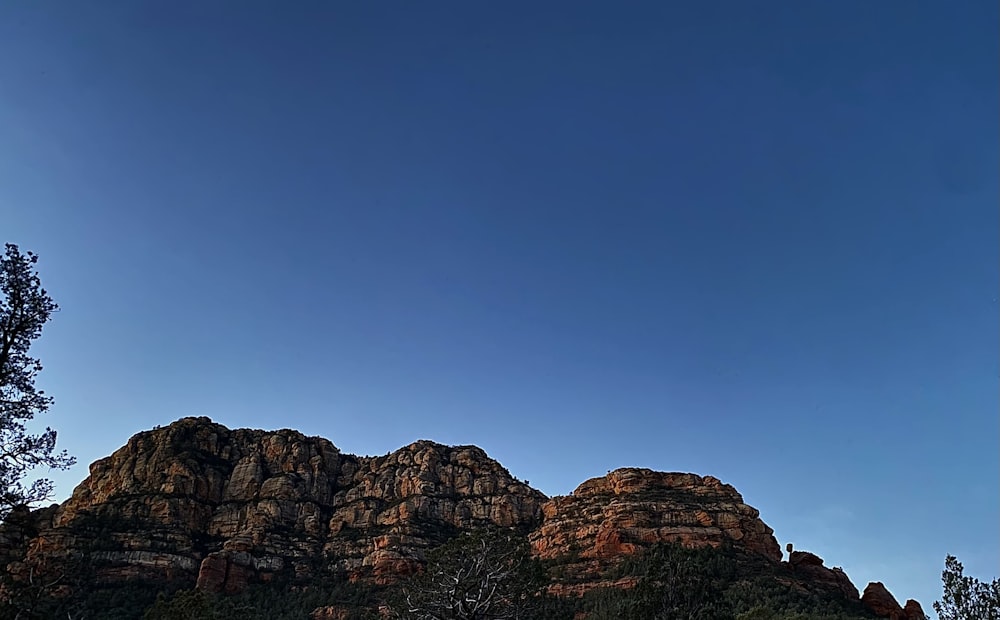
(631, 509)
(197, 504)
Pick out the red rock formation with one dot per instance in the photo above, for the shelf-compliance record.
(631, 509)
(579, 589)
(223, 572)
(197, 503)
(881, 602)
(201, 503)
(913, 611)
(810, 567)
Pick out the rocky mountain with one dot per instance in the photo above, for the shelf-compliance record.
(198, 504)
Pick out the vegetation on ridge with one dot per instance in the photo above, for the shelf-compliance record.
(488, 575)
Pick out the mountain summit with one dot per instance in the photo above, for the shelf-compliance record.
(197, 504)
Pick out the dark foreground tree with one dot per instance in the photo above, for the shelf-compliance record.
(966, 598)
(485, 575)
(25, 307)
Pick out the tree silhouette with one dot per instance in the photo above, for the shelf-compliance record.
(966, 598)
(25, 307)
(484, 575)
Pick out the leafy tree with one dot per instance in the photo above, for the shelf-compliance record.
(966, 598)
(24, 308)
(484, 575)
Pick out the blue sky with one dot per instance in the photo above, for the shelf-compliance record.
(757, 242)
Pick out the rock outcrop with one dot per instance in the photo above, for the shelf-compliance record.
(631, 509)
(883, 604)
(913, 611)
(809, 567)
(195, 503)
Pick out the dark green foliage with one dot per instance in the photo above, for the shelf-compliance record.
(966, 598)
(710, 584)
(152, 601)
(189, 604)
(126, 602)
(262, 603)
(69, 589)
(25, 308)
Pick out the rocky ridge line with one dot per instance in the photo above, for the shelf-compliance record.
(197, 503)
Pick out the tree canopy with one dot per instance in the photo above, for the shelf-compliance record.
(965, 597)
(25, 307)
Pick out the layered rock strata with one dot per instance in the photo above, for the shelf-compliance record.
(195, 503)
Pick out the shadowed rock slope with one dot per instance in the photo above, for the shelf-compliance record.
(197, 503)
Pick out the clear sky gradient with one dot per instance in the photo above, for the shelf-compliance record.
(752, 240)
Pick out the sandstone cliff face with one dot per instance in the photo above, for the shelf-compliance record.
(631, 509)
(197, 501)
